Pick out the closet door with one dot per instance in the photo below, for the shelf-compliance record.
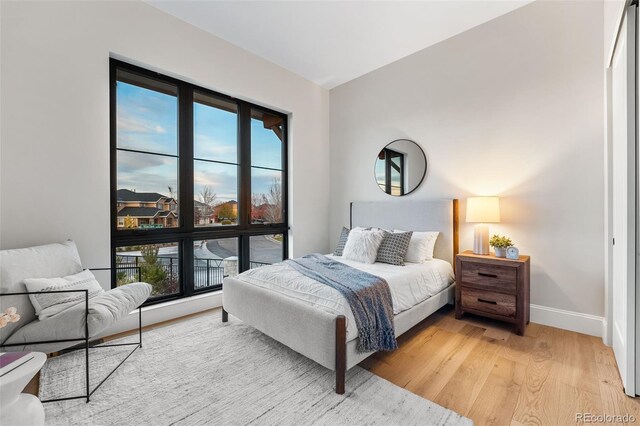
(623, 104)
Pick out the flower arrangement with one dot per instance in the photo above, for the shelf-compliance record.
(498, 241)
(9, 315)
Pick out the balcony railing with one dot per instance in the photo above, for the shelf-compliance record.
(207, 272)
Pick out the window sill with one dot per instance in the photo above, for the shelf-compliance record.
(166, 311)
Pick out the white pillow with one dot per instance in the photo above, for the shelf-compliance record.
(421, 246)
(362, 245)
(49, 304)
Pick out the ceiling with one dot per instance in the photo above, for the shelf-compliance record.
(332, 42)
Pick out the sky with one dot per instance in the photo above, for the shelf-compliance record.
(147, 121)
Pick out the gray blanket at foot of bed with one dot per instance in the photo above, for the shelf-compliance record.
(368, 296)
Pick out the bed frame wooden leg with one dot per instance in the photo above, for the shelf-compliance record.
(341, 353)
(225, 316)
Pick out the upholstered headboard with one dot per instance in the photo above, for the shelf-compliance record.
(426, 215)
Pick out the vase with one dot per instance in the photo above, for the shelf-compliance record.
(501, 251)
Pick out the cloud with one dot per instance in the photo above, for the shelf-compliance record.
(130, 124)
(213, 148)
(222, 178)
(147, 172)
(133, 161)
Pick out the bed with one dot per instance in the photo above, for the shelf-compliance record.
(321, 328)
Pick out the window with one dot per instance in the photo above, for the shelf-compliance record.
(265, 250)
(146, 148)
(199, 184)
(216, 161)
(213, 260)
(156, 264)
(267, 167)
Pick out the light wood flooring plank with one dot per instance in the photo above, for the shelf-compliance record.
(498, 397)
(576, 403)
(538, 400)
(465, 385)
(445, 359)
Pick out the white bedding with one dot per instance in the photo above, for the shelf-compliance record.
(409, 285)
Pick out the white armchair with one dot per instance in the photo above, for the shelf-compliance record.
(74, 326)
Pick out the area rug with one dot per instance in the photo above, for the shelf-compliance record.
(201, 371)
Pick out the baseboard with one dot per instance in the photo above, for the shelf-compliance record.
(166, 311)
(568, 320)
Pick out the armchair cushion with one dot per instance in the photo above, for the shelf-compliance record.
(104, 310)
(46, 261)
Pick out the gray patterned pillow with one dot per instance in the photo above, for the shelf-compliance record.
(344, 235)
(394, 247)
(48, 304)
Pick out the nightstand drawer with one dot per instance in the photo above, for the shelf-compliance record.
(493, 303)
(489, 277)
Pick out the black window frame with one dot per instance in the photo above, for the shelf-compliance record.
(186, 232)
(390, 154)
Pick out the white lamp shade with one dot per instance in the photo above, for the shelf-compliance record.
(483, 209)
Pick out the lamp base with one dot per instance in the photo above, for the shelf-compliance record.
(481, 239)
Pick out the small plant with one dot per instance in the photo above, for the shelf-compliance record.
(499, 241)
(151, 270)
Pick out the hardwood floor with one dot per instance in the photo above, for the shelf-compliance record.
(478, 368)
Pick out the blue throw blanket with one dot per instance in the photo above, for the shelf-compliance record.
(368, 295)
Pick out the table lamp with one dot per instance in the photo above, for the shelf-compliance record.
(482, 210)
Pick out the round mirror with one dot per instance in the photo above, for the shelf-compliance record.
(400, 167)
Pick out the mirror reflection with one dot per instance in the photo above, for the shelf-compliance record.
(400, 167)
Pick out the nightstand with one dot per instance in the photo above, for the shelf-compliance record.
(493, 287)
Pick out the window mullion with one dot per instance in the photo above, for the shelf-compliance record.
(185, 175)
(185, 183)
(244, 190)
(244, 152)
(285, 189)
(113, 138)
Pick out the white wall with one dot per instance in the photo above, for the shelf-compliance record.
(55, 115)
(514, 107)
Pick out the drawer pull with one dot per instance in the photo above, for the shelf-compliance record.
(491, 302)
(484, 274)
